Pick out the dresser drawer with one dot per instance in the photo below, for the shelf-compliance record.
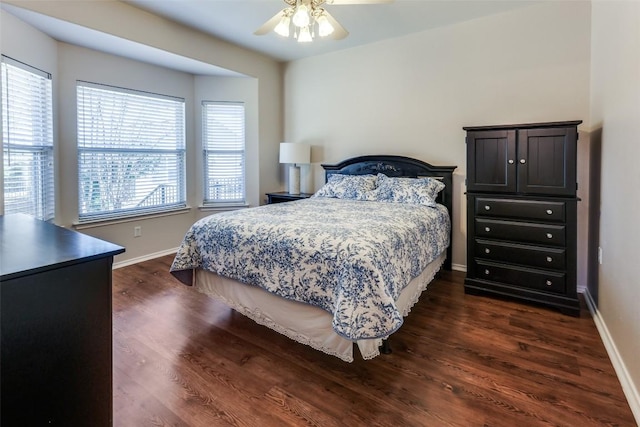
(532, 256)
(545, 234)
(521, 209)
(521, 277)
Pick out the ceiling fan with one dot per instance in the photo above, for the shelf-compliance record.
(306, 16)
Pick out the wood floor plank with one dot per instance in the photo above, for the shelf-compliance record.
(133, 403)
(183, 359)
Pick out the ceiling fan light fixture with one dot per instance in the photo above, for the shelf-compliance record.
(283, 26)
(324, 26)
(301, 17)
(305, 35)
(304, 19)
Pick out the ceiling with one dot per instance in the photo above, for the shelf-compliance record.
(236, 20)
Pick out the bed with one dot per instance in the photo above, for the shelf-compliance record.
(339, 270)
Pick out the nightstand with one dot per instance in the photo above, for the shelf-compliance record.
(283, 196)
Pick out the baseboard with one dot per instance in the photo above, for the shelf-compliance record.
(459, 267)
(628, 387)
(147, 257)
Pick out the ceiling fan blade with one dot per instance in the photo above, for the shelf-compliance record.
(271, 23)
(339, 2)
(338, 30)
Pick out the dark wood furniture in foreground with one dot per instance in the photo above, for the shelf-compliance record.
(522, 212)
(183, 359)
(283, 196)
(55, 325)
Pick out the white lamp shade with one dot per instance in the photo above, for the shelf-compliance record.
(291, 152)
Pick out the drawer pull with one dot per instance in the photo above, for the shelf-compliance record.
(487, 207)
(549, 212)
(487, 250)
(511, 161)
(487, 229)
(523, 161)
(549, 236)
(549, 282)
(549, 259)
(486, 272)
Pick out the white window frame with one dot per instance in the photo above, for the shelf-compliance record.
(27, 135)
(224, 143)
(153, 136)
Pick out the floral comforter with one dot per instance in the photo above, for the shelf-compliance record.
(350, 258)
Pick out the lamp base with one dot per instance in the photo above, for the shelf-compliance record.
(294, 179)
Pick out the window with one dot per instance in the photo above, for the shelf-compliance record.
(223, 142)
(27, 140)
(131, 152)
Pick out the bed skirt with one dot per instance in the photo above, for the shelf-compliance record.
(302, 322)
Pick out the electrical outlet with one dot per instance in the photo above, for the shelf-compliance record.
(599, 255)
(137, 231)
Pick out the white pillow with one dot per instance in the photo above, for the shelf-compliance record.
(353, 187)
(421, 191)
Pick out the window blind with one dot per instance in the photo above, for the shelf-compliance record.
(131, 152)
(27, 140)
(224, 152)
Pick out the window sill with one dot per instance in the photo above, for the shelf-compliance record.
(223, 207)
(105, 222)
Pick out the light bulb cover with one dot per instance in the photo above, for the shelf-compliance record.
(301, 17)
(324, 26)
(283, 26)
(305, 35)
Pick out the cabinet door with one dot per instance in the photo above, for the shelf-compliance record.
(491, 161)
(546, 161)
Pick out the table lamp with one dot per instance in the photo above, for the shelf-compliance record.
(294, 154)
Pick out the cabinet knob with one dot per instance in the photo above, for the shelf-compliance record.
(523, 161)
(549, 282)
(511, 161)
(486, 272)
(549, 259)
(487, 251)
(549, 212)
(549, 236)
(487, 229)
(487, 207)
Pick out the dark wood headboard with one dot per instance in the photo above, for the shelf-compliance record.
(399, 166)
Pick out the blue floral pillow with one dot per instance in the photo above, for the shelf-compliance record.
(420, 191)
(354, 187)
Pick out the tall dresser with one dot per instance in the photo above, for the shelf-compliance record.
(55, 325)
(522, 212)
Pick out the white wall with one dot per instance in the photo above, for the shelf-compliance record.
(615, 114)
(412, 95)
(32, 46)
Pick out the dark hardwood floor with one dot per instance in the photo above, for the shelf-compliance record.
(183, 359)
